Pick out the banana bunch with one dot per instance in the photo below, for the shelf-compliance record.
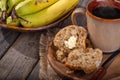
(35, 13)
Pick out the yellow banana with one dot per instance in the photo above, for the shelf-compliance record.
(4, 5)
(12, 21)
(32, 6)
(12, 3)
(48, 15)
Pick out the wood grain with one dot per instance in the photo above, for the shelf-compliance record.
(85, 3)
(34, 75)
(7, 38)
(21, 58)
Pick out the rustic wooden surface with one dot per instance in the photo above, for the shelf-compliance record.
(7, 38)
(19, 59)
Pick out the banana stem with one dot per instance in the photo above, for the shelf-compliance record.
(3, 16)
(4, 11)
(13, 14)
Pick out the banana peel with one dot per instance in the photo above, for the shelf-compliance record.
(12, 21)
(31, 6)
(48, 15)
(11, 4)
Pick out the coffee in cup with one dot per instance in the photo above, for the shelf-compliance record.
(107, 12)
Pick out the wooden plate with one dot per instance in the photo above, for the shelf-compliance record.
(22, 29)
(113, 72)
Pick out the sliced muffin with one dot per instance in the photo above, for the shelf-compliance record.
(70, 37)
(87, 60)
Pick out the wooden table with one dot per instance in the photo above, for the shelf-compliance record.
(19, 52)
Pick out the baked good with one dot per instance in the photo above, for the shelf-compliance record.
(87, 60)
(61, 56)
(70, 37)
(71, 43)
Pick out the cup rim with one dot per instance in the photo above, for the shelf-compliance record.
(99, 18)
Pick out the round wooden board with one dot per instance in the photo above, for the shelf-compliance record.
(113, 72)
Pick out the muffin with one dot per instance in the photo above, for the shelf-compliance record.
(70, 37)
(75, 50)
(61, 56)
(87, 60)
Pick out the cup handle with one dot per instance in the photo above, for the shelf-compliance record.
(77, 11)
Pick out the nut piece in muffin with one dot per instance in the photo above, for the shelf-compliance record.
(87, 60)
(61, 56)
(70, 37)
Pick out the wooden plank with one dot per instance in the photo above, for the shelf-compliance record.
(80, 3)
(85, 3)
(21, 58)
(7, 38)
(35, 73)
